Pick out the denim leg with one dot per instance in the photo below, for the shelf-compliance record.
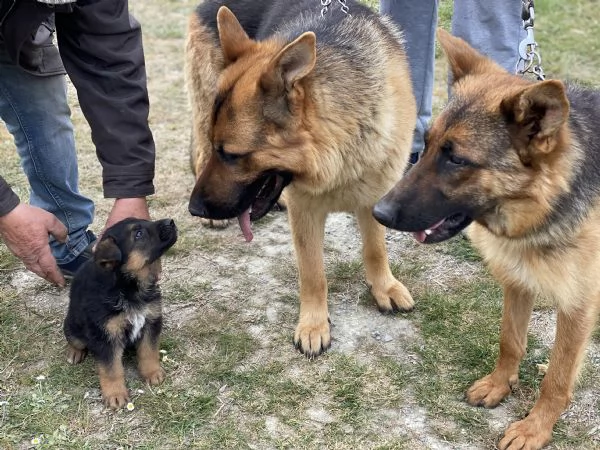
(36, 113)
(418, 21)
(492, 27)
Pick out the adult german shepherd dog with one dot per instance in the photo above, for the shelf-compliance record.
(519, 162)
(282, 96)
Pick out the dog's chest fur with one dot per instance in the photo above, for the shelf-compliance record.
(137, 320)
(565, 275)
(131, 313)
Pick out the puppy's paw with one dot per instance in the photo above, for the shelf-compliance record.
(392, 296)
(75, 355)
(210, 223)
(154, 377)
(115, 397)
(312, 337)
(490, 390)
(530, 433)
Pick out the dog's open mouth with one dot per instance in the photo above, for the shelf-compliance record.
(444, 229)
(267, 195)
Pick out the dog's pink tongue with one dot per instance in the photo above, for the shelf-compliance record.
(244, 221)
(422, 235)
(419, 236)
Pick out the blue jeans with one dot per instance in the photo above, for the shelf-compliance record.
(36, 113)
(492, 27)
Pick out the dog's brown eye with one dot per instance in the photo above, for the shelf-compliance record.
(138, 234)
(447, 149)
(457, 160)
(227, 157)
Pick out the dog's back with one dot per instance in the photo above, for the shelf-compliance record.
(262, 19)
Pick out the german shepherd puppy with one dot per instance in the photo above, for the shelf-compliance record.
(115, 302)
(323, 105)
(519, 162)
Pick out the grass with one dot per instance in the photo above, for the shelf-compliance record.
(234, 379)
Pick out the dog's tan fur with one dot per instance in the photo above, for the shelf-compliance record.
(505, 152)
(342, 158)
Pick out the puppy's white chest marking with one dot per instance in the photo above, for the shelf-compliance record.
(137, 321)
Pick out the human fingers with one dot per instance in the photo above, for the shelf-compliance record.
(55, 227)
(48, 268)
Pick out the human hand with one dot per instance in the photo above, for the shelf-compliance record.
(127, 207)
(25, 232)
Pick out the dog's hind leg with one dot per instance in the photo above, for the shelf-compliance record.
(76, 350)
(308, 230)
(390, 294)
(76, 345)
(148, 355)
(573, 330)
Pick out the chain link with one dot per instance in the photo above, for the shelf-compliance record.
(325, 6)
(326, 3)
(344, 6)
(530, 60)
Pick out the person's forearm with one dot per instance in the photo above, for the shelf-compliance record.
(101, 48)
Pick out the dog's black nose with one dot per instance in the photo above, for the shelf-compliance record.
(384, 213)
(197, 208)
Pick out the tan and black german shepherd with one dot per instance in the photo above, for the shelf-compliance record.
(323, 105)
(519, 162)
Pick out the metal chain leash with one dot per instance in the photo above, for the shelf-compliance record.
(325, 6)
(530, 60)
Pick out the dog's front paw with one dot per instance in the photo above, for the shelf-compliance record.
(154, 377)
(210, 223)
(312, 337)
(75, 355)
(115, 397)
(392, 296)
(527, 434)
(490, 390)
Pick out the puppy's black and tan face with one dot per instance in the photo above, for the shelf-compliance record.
(133, 245)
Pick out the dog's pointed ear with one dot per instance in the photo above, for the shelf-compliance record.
(293, 62)
(107, 254)
(462, 58)
(233, 38)
(539, 111)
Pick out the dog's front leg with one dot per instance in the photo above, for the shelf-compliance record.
(390, 294)
(573, 329)
(147, 350)
(112, 376)
(493, 388)
(308, 229)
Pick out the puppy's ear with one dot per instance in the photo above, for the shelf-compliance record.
(233, 38)
(464, 59)
(107, 254)
(537, 114)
